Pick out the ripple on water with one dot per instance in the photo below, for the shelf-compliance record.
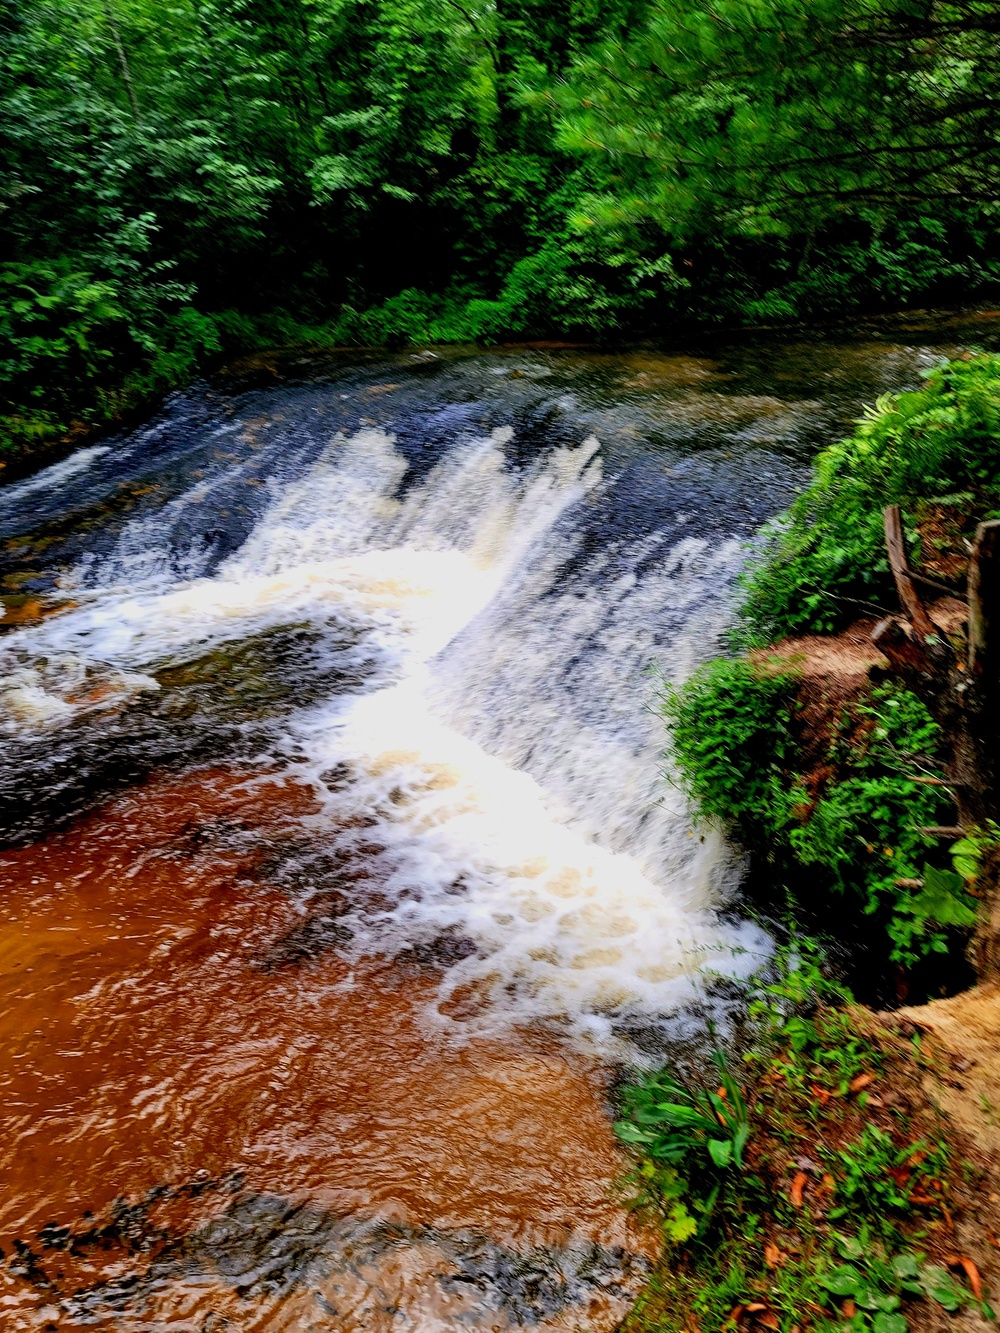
(320, 1036)
(344, 1152)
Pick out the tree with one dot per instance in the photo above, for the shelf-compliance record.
(772, 116)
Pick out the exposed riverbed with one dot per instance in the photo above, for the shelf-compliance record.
(341, 877)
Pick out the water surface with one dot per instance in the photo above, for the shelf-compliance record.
(341, 877)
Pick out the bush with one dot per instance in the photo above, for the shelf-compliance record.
(825, 557)
(858, 834)
(733, 744)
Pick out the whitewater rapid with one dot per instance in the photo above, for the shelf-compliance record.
(503, 768)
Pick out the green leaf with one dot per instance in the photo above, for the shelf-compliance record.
(680, 1225)
(944, 899)
(842, 1281)
(905, 1265)
(849, 1246)
(720, 1151)
(939, 1284)
(889, 1323)
(630, 1133)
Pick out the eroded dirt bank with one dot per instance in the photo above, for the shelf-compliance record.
(947, 1050)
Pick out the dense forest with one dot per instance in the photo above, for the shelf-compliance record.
(210, 175)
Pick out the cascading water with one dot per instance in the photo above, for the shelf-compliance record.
(394, 879)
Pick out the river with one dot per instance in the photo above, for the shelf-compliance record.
(341, 878)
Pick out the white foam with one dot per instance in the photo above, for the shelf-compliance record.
(51, 477)
(507, 762)
(566, 930)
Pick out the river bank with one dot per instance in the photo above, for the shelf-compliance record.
(278, 347)
(839, 759)
(341, 888)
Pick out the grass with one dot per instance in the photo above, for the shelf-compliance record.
(841, 1208)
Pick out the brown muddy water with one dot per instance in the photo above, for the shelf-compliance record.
(340, 881)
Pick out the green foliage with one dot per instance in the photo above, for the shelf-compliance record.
(968, 852)
(732, 727)
(674, 1122)
(704, 1130)
(825, 139)
(879, 1178)
(878, 1282)
(422, 170)
(826, 557)
(850, 1250)
(733, 744)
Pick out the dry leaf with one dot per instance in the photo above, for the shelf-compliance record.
(798, 1186)
(755, 1307)
(971, 1272)
(849, 1308)
(772, 1255)
(862, 1081)
(770, 1320)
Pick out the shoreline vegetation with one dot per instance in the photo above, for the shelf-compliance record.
(187, 183)
(210, 178)
(841, 1173)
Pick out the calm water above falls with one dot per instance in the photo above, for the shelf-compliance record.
(340, 876)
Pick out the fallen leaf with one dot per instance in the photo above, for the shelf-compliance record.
(798, 1186)
(755, 1306)
(772, 1255)
(770, 1320)
(862, 1081)
(734, 1314)
(827, 1185)
(849, 1308)
(971, 1272)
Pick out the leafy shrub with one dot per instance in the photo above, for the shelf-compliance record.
(701, 1130)
(826, 555)
(740, 763)
(74, 344)
(876, 1283)
(877, 1177)
(731, 732)
(831, 1243)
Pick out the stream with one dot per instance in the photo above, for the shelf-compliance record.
(340, 876)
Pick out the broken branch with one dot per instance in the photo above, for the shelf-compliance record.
(909, 598)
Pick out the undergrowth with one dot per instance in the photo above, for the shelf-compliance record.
(842, 825)
(842, 804)
(824, 560)
(838, 1181)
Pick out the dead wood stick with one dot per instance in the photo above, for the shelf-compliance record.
(892, 521)
(933, 583)
(908, 883)
(942, 830)
(927, 781)
(984, 599)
